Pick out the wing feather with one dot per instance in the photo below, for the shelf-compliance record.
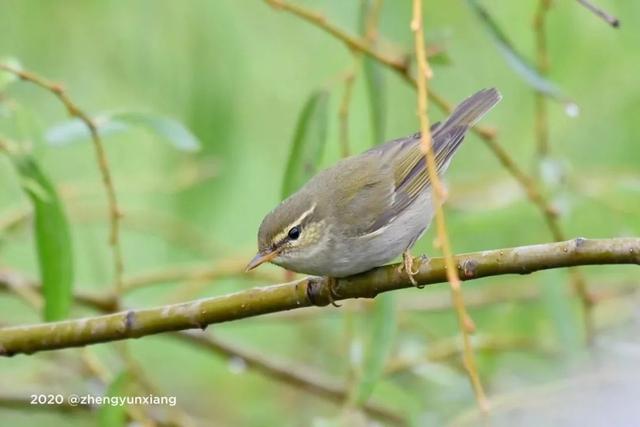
(408, 163)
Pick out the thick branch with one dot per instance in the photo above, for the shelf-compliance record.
(308, 292)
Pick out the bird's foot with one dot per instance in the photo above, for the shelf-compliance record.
(407, 266)
(331, 283)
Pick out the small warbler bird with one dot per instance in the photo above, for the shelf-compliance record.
(368, 208)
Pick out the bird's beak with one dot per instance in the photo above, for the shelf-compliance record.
(261, 258)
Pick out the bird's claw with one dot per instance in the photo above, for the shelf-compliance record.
(407, 266)
(331, 282)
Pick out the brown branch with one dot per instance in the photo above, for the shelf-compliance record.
(399, 64)
(542, 60)
(541, 133)
(528, 184)
(301, 377)
(446, 349)
(204, 272)
(487, 135)
(464, 320)
(609, 19)
(101, 155)
(370, 33)
(308, 292)
(473, 298)
(343, 112)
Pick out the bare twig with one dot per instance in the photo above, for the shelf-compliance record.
(446, 349)
(301, 377)
(352, 42)
(88, 359)
(528, 184)
(541, 120)
(464, 320)
(609, 19)
(542, 141)
(343, 112)
(204, 272)
(488, 136)
(103, 162)
(308, 292)
(370, 33)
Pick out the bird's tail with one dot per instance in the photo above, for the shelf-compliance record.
(448, 135)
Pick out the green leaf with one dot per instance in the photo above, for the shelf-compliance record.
(114, 415)
(380, 344)
(7, 78)
(74, 130)
(167, 129)
(308, 143)
(375, 84)
(376, 90)
(518, 63)
(52, 236)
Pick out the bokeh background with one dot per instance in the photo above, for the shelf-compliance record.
(237, 75)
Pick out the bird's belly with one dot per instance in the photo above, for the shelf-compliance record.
(356, 255)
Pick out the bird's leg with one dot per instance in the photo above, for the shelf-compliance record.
(331, 283)
(407, 266)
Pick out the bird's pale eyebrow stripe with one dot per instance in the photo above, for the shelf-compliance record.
(303, 216)
(298, 221)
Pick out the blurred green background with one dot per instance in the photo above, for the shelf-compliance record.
(237, 74)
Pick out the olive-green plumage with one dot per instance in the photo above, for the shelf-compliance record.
(366, 209)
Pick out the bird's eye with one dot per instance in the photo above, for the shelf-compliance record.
(294, 233)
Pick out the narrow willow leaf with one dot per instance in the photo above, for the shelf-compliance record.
(376, 90)
(518, 63)
(114, 415)
(308, 143)
(74, 130)
(7, 78)
(52, 236)
(379, 346)
(375, 83)
(167, 129)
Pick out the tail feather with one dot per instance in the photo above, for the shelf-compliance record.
(469, 111)
(409, 164)
(448, 136)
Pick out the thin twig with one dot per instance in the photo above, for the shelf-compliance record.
(488, 136)
(609, 19)
(343, 112)
(103, 162)
(301, 377)
(464, 320)
(90, 362)
(232, 266)
(542, 62)
(352, 42)
(542, 142)
(370, 33)
(446, 349)
(308, 292)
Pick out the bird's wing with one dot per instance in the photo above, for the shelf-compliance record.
(363, 192)
(407, 161)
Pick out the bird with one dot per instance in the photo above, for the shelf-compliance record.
(367, 209)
